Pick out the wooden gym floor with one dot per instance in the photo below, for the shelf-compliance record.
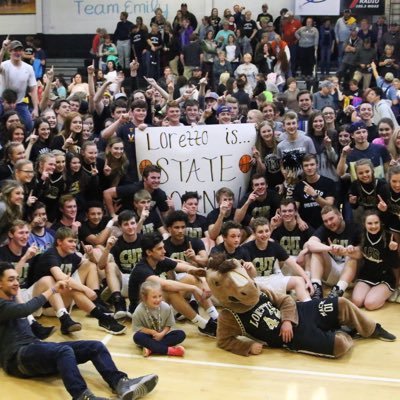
(371, 370)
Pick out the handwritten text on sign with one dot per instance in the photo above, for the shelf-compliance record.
(202, 158)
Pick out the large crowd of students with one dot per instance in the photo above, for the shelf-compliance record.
(79, 227)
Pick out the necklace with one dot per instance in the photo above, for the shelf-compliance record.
(155, 322)
(374, 243)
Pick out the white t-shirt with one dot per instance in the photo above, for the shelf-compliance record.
(18, 78)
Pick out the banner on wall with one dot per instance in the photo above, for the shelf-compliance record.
(202, 158)
(317, 7)
(85, 16)
(365, 7)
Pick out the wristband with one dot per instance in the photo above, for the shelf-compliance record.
(53, 290)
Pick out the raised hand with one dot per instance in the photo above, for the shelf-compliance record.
(382, 206)
(393, 245)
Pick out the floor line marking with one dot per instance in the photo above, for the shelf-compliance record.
(266, 369)
(106, 339)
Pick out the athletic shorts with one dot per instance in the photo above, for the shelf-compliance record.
(315, 333)
(274, 282)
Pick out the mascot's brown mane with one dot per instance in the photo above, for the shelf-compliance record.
(218, 262)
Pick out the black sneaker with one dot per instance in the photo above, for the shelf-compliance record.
(382, 334)
(352, 332)
(318, 294)
(88, 395)
(42, 332)
(102, 306)
(120, 311)
(335, 292)
(68, 325)
(210, 329)
(132, 389)
(110, 325)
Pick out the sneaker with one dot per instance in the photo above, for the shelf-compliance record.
(146, 352)
(335, 292)
(102, 306)
(382, 334)
(88, 395)
(132, 389)
(120, 311)
(395, 295)
(42, 332)
(68, 325)
(352, 332)
(110, 325)
(179, 317)
(318, 294)
(210, 329)
(177, 351)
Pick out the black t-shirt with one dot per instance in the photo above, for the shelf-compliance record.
(264, 260)
(87, 229)
(155, 38)
(152, 222)
(212, 217)
(51, 258)
(310, 210)
(292, 241)
(126, 193)
(127, 134)
(177, 251)
(139, 42)
(140, 274)
(197, 228)
(351, 235)
(262, 208)
(248, 27)
(7, 255)
(240, 253)
(127, 254)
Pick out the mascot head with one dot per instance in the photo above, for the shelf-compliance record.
(231, 285)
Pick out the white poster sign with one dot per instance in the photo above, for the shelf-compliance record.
(202, 158)
(317, 7)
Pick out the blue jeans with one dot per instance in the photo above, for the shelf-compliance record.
(47, 358)
(325, 62)
(159, 347)
(340, 50)
(24, 114)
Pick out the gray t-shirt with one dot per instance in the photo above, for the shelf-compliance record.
(142, 319)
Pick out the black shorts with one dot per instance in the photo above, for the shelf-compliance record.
(315, 333)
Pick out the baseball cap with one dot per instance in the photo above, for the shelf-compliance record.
(389, 77)
(222, 109)
(120, 96)
(15, 44)
(196, 69)
(211, 95)
(347, 11)
(356, 126)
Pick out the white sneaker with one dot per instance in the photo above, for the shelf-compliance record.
(395, 296)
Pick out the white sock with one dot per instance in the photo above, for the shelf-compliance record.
(317, 281)
(199, 321)
(61, 312)
(30, 319)
(342, 285)
(212, 312)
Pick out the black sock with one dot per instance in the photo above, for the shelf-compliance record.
(97, 291)
(115, 297)
(96, 313)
